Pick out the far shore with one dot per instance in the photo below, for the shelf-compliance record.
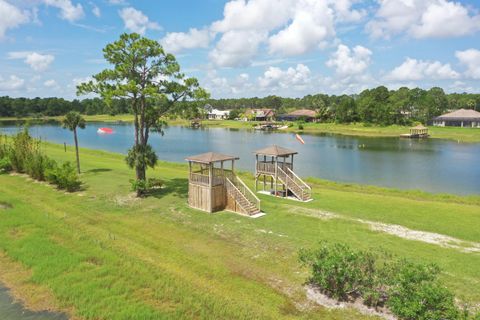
(470, 135)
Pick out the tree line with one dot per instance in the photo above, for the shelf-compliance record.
(377, 106)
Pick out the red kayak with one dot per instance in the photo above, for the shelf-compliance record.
(105, 130)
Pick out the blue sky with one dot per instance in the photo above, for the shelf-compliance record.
(243, 48)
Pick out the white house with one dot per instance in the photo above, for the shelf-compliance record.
(216, 114)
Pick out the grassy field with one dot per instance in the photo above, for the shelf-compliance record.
(102, 254)
(358, 129)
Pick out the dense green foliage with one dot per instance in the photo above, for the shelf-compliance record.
(410, 290)
(378, 105)
(23, 154)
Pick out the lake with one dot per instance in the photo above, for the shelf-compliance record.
(431, 165)
(10, 310)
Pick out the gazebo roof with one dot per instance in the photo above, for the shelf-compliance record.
(211, 157)
(275, 151)
(419, 127)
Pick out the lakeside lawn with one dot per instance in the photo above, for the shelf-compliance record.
(354, 129)
(102, 254)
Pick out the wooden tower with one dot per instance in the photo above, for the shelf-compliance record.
(274, 166)
(213, 187)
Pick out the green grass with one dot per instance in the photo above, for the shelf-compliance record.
(106, 255)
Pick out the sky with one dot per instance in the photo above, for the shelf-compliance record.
(247, 48)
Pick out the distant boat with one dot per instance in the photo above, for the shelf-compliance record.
(105, 130)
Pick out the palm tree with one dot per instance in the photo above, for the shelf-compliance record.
(72, 121)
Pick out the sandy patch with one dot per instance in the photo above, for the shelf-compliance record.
(397, 230)
(125, 199)
(424, 236)
(313, 212)
(316, 296)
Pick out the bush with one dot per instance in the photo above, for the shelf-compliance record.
(5, 165)
(409, 290)
(145, 186)
(64, 177)
(300, 126)
(415, 293)
(339, 271)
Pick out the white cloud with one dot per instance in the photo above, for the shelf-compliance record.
(287, 27)
(118, 2)
(178, 41)
(312, 24)
(135, 21)
(253, 14)
(37, 61)
(344, 11)
(275, 78)
(423, 19)
(413, 70)
(12, 83)
(348, 61)
(11, 17)
(50, 83)
(236, 48)
(471, 59)
(96, 11)
(68, 10)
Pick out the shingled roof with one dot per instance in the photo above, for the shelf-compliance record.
(275, 151)
(211, 157)
(303, 113)
(460, 114)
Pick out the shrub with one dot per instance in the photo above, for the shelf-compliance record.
(64, 177)
(410, 290)
(415, 293)
(5, 165)
(145, 186)
(300, 126)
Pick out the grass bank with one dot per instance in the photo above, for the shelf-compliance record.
(102, 254)
(357, 129)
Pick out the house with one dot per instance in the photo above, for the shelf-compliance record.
(302, 114)
(216, 114)
(459, 118)
(260, 114)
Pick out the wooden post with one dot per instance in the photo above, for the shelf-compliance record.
(65, 146)
(276, 175)
(210, 176)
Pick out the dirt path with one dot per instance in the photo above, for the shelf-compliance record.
(399, 231)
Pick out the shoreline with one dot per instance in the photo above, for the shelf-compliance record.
(461, 135)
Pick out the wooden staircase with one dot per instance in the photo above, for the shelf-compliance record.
(243, 196)
(292, 182)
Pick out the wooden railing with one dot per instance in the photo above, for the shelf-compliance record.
(292, 182)
(307, 190)
(246, 191)
(240, 191)
(198, 178)
(269, 167)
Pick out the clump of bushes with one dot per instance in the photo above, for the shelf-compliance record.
(21, 153)
(146, 186)
(409, 290)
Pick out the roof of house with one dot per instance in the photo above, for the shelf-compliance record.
(275, 151)
(211, 157)
(460, 114)
(261, 112)
(303, 113)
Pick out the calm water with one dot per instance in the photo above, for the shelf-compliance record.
(431, 165)
(10, 310)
